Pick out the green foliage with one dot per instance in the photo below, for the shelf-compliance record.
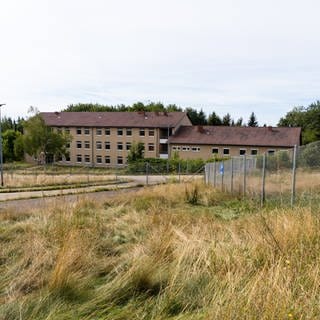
(138, 106)
(252, 120)
(308, 118)
(214, 120)
(163, 166)
(40, 139)
(196, 117)
(310, 155)
(10, 142)
(226, 120)
(136, 152)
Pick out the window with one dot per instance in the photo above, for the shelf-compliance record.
(87, 145)
(271, 151)
(68, 157)
(242, 152)
(226, 151)
(185, 148)
(150, 146)
(99, 132)
(215, 150)
(107, 131)
(195, 149)
(176, 148)
(107, 145)
(254, 152)
(79, 131)
(86, 131)
(68, 145)
(129, 132)
(99, 159)
(98, 145)
(120, 132)
(120, 146)
(141, 133)
(107, 159)
(79, 158)
(119, 160)
(86, 158)
(67, 130)
(79, 144)
(128, 146)
(151, 132)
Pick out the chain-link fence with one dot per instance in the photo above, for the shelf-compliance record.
(288, 176)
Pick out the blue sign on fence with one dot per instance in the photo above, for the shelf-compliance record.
(221, 168)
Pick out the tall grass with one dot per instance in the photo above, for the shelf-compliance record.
(156, 255)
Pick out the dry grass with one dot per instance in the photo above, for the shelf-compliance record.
(154, 255)
(29, 180)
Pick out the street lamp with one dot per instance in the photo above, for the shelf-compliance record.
(1, 152)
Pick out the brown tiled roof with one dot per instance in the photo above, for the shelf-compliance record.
(113, 119)
(237, 136)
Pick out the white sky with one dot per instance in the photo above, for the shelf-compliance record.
(234, 56)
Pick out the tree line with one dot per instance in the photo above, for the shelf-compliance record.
(197, 117)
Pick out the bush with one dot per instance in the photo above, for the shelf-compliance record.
(310, 155)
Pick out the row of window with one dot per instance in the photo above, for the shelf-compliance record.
(107, 131)
(186, 148)
(225, 151)
(242, 151)
(99, 159)
(107, 145)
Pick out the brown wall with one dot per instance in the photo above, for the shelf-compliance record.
(113, 138)
(205, 151)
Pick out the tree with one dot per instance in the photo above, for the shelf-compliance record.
(226, 120)
(42, 141)
(252, 120)
(9, 138)
(136, 152)
(214, 119)
(307, 118)
(239, 122)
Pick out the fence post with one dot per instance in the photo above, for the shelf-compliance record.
(244, 175)
(179, 171)
(263, 186)
(215, 174)
(231, 176)
(294, 172)
(147, 173)
(222, 173)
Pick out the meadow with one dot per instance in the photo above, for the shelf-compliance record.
(175, 251)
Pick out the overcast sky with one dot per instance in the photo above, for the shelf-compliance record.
(226, 56)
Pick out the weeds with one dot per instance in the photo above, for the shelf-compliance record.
(160, 254)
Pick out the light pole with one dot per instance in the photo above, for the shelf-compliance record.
(1, 152)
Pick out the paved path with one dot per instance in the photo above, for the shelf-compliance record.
(25, 205)
(21, 201)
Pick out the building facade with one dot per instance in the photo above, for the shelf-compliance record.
(206, 142)
(105, 138)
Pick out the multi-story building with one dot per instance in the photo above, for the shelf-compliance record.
(105, 138)
(205, 142)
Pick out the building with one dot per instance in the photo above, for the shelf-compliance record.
(105, 138)
(194, 142)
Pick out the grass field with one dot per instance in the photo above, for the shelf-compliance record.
(176, 251)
